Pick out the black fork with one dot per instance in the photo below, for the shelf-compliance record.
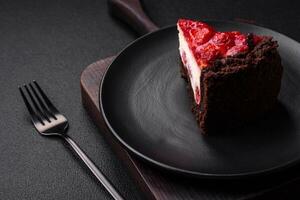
(48, 121)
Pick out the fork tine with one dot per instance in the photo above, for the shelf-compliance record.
(33, 115)
(42, 104)
(46, 100)
(37, 108)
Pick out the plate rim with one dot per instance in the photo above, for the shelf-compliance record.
(177, 170)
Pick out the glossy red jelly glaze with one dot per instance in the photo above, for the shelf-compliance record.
(207, 44)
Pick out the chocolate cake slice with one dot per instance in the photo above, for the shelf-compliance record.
(233, 77)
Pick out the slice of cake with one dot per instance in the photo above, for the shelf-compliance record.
(232, 77)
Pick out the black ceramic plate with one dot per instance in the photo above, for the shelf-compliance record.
(146, 106)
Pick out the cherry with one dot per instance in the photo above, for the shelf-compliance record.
(223, 40)
(205, 53)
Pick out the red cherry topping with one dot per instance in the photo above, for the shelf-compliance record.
(206, 53)
(208, 45)
(236, 49)
(196, 33)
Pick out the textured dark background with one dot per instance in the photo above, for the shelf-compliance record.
(52, 42)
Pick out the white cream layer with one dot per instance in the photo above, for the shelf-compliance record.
(191, 64)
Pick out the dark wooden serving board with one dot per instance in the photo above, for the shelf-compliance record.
(160, 185)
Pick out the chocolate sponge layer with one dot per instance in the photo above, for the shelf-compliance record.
(236, 90)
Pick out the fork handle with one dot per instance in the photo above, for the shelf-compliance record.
(89, 163)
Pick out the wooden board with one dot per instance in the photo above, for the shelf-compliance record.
(160, 185)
